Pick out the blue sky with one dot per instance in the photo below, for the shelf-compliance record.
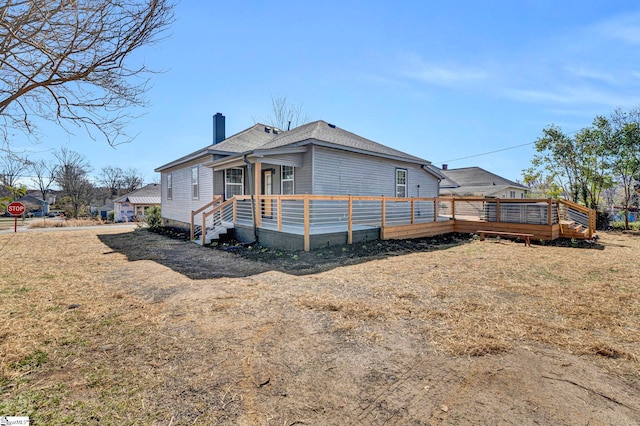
(445, 81)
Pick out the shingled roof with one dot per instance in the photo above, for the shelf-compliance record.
(475, 177)
(149, 194)
(325, 132)
(263, 138)
(246, 140)
(475, 181)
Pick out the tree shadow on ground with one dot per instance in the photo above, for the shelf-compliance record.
(236, 260)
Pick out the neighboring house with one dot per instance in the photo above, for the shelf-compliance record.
(475, 181)
(317, 158)
(51, 195)
(132, 206)
(34, 204)
(103, 211)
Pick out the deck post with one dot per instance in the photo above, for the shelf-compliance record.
(384, 212)
(413, 209)
(498, 210)
(350, 221)
(257, 182)
(279, 208)
(204, 229)
(435, 209)
(191, 226)
(235, 210)
(306, 223)
(549, 215)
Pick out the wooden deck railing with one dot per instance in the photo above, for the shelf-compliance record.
(408, 216)
(586, 217)
(216, 199)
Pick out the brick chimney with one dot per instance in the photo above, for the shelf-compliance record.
(218, 128)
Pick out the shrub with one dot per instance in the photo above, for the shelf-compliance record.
(619, 226)
(153, 217)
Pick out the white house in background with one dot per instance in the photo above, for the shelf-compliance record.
(133, 206)
(475, 181)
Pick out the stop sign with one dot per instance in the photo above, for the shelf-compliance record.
(16, 208)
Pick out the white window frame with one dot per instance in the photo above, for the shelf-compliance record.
(195, 179)
(404, 185)
(512, 194)
(227, 183)
(169, 186)
(292, 180)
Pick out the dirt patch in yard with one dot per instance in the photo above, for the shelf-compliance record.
(107, 327)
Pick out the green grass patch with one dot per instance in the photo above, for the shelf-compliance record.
(30, 362)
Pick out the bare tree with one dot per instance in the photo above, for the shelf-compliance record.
(12, 168)
(286, 115)
(112, 179)
(72, 177)
(44, 175)
(131, 180)
(70, 61)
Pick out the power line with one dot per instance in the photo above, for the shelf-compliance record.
(486, 153)
(498, 150)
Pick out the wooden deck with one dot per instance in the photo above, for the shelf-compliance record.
(401, 218)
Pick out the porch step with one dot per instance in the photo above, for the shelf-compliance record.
(214, 234)
(574, 230)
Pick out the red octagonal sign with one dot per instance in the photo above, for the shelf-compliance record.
(16, 208)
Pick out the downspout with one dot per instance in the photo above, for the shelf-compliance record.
(253, 201)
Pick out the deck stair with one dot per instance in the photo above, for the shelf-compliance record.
(216, 218)
(571, 229)
(215, 233)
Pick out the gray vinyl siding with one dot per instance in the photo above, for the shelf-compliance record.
(218, 182)
(182, 203)
(337, 172)
(286, 159)
(304, 174)
(296, 160)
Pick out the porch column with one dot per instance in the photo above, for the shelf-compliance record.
(307, 236)
(257, 191)
(350, 219)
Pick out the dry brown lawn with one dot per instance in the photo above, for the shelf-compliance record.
(107, 326)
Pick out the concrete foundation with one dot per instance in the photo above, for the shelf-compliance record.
(290, 241)
(170, 223)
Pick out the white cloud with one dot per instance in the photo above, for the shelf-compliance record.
(574, 96)
(592, 74)
(624, 28)
(416, 68)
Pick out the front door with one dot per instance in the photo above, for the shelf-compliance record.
(267, 189)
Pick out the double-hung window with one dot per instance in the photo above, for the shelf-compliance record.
(233, 182)
(194, 183)
(401, 183)
(169, 187)
(287, 180)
